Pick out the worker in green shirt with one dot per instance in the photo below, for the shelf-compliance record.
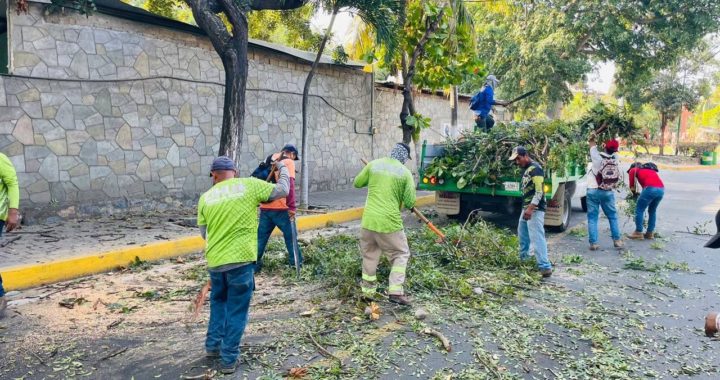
(390, 187)
(228, 221)
(9, 202)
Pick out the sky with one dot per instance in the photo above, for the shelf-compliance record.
(599, 80)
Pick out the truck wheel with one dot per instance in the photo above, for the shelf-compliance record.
(583, 203)
(566, 212)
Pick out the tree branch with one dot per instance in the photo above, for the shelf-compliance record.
(258, 5)
(209, 22)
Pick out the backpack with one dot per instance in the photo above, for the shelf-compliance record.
(609, 174)
(651, 166)
(262, 172)
(475, 100)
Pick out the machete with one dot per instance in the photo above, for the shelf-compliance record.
(521, 97)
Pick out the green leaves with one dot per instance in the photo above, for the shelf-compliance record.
(418, 122)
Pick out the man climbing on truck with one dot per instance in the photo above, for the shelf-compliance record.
(481, 104)
(532, 219)
(390, 188)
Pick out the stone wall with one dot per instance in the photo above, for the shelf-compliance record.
(104, 113)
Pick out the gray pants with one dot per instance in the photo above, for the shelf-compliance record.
(395, 246)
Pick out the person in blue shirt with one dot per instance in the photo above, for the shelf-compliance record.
(481, 104)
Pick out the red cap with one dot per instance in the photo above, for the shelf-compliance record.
(612, 145)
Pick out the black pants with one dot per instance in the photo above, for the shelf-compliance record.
(484, 123)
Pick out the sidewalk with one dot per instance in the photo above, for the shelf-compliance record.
(45, 253)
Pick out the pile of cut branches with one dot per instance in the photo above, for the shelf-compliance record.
(482, 158)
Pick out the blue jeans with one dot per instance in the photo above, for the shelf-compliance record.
(229, 305)
(533, 230)
(281, 219)
(604, 199)
(649, 199)
(2, 228)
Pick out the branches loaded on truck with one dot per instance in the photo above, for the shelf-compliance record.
(473, 172)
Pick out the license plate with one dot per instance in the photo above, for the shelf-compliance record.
(447, 203)
(511, 186)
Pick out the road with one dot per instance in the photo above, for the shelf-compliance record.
(631, 314)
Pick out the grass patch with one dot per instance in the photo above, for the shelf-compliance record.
(572, 259)
(578, 232)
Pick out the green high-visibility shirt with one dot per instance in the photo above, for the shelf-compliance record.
(9, 189)
(390, 187)
(229, 210)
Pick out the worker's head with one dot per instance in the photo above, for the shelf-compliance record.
(222, 168)
(291, 152)
(492, 81)
(611, 146)
(400, 152)
(520, 156)
(635, 165)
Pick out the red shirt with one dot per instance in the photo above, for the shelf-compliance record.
(646, 177)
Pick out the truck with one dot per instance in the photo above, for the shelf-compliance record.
(506, 196)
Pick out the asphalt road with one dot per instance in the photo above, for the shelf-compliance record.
(642, 307)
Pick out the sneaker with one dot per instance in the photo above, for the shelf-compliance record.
(636, 235)
(3, 306)
(594, 247)
(546, 272)
(227, 369)
(618, 244)
(649, 235)
(400, 299)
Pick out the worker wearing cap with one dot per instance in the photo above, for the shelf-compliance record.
(602, 197)
(228, 221)
(531, 227)
(390, 187)
(9, 202)
(481, 104)
(280, 212)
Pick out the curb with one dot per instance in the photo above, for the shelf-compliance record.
(32, 275)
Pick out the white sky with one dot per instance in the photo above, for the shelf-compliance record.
(599, 80)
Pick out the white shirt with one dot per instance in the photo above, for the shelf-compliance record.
(594, 167)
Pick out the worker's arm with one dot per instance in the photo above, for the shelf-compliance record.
(9, 177)
(202, 224)
(363, 177)
(409, 198)
(282, 188)
(595, 158)
(632, 174)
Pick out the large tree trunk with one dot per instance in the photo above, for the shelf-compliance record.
(663, 127)
(305, 166)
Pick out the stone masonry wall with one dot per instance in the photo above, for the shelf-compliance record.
(105, 114)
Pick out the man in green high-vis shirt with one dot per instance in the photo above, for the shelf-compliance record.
(228, 220)
(9, 202)
(390, 188)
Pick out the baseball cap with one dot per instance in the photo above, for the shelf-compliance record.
(612, 145)
(291, 148)
(517, 151)
(223, 163)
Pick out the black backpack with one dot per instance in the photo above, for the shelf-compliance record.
(262, 172)
(651, 166)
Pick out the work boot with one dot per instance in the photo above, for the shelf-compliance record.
(649, 235)
(546, 272)
(400, 299)
(3, 306)
(227, 369)
(594, 247)
(636, 235)
(618, 244)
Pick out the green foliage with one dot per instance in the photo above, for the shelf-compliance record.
(339, 55)
(608, 122)
(84, 7)
(289, 28)
(418, 122)
(572, 259)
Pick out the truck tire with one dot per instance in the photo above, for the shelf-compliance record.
(566, 214)
(583, 203)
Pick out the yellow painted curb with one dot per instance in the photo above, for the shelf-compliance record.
(27, 276)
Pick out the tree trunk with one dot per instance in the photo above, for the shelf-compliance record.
(663, 127)
(305, 167)
(453, 107)
(408, 107)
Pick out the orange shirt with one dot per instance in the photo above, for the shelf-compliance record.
(282, 203)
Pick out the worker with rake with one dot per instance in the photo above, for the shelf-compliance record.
(228, 221)
(390, 188)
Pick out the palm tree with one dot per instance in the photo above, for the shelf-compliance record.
(383, 16)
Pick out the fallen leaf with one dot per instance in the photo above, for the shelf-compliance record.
(298, 372)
